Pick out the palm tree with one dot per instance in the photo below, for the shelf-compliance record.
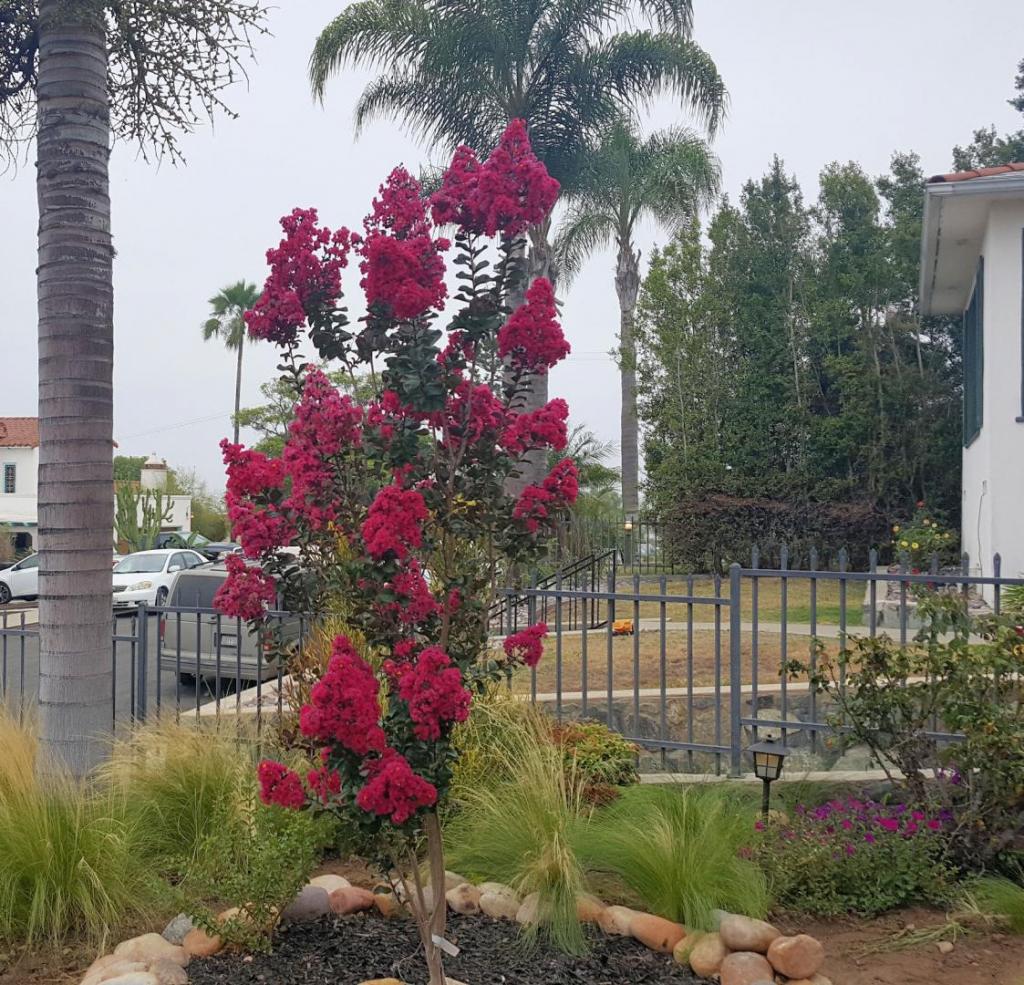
(668, 177)
(456, 71)
(76, 344)
(227, 322)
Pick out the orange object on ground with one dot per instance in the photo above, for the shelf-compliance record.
(622, 627)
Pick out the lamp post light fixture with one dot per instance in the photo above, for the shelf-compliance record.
(768, 757)
(627, 526)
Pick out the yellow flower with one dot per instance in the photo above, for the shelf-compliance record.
(946, 535)
(903, 543)
(927, 523)
(914, 546)
(895, 528)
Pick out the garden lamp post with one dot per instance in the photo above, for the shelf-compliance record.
(627, 527)
(768, 758)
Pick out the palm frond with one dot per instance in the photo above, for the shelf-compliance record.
(586, 227)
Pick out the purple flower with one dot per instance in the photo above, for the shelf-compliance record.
(869, 838)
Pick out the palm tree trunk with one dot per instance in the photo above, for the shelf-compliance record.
(75, 285)
(627, 287)
(238, 384)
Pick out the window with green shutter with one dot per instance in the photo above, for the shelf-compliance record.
(974, 357)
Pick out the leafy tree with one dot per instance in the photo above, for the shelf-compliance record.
(128, 468)
(455, 72)
(669, 177)
(271, 419)
(987, 149)
(74, 73)
(209, 517)
(226, 322)
(784, 360)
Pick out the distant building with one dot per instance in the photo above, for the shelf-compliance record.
(19, 468)
(972, 265)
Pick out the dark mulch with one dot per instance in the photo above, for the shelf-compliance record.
(348, 950)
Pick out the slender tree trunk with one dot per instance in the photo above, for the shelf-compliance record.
(627, 287)
(75, 285)
(238, 384)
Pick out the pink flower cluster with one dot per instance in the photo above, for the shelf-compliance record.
(508, 192)
(247, 591)
(305, 272)
(559, 489)
(415, 603)
(250, 474)
(471, 411)
(394, 523)
(541, 428)
(393, 789)
(325, 422)
(280, 785)
(403, 272)
(324, 784)
(433, 690)
(527, 646)
(344, 704)
(532, 338)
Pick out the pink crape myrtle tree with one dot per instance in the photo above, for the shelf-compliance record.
(398, 506)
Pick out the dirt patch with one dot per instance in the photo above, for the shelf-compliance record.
(854, 957)
(343, 951)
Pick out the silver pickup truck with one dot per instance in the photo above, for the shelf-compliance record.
(206, 644)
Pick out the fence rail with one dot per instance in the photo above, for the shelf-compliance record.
(692, 680)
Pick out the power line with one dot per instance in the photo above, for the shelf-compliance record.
(174, 427)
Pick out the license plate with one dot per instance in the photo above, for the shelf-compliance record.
(229, 640)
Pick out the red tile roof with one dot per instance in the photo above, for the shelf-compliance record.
(977, 173)
(19, 432)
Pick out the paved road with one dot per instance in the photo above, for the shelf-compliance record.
(19, 670)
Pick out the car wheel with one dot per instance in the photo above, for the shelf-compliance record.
(5, 594)
(161, 596)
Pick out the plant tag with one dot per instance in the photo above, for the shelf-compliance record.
(447, 946)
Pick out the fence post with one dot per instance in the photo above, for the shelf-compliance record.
(142, 651)
(735, 672)
(997, 572)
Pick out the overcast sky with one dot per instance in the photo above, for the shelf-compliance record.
(811, 80)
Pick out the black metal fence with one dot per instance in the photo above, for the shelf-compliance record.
(685, 666)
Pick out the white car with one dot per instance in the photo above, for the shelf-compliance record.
(21, 580)
(146, 576)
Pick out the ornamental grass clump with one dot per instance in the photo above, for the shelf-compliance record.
(518, 825)
(856, 856)
(411, 504)
(676, 852)
(72, 862)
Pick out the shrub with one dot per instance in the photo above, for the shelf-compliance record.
(602, 758)
(964, 673)
(924, 537)
(255, 858)
(854, 856)
(69, 858)
(517, 826)
(711, 532)
(677, 852)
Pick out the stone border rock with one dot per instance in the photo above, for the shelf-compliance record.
(742, 951)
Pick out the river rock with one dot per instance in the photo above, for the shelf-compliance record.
(706, 955)
(115, 967)
(175, 931)
(133, 978)
(500, 903)
(199, 944)
(330, 882)
(588, 908)
(656, 932)
(527, 912)
(796, 957)
(745, 968)
(350, 899)
(311, 903)
(813, 980)
(616, 920)
(168, 973)
(740, 933)
(388, 905)
(452, 880)
(464, 899)
(149, 948)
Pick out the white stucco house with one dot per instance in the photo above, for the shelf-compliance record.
(972, 265)
(19, 467)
